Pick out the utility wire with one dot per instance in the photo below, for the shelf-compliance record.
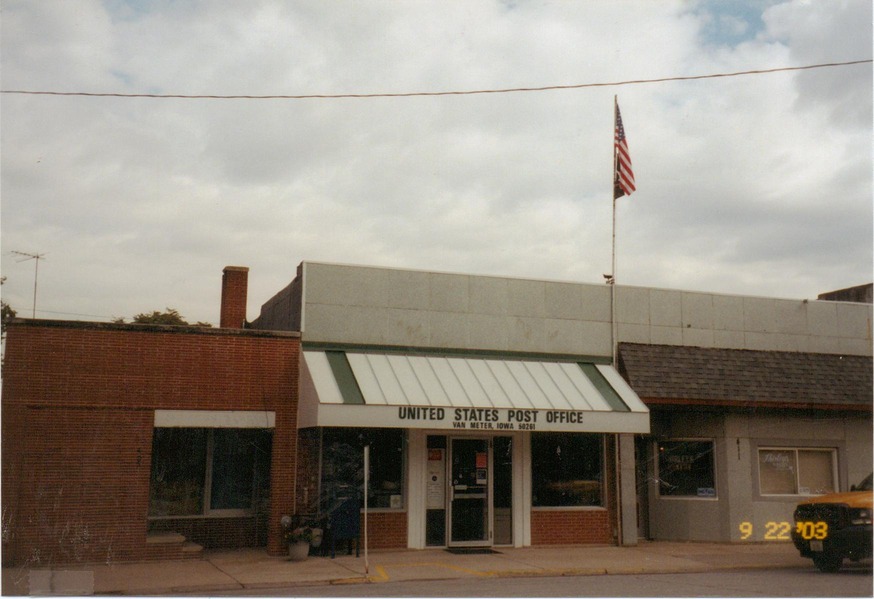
(438, 93)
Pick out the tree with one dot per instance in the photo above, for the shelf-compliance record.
(5, 310)
(169, 316)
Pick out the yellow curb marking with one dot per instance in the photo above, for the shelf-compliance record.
(340, 581)
(382, 575)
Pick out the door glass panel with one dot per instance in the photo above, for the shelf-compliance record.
(435, 492)
(470, 490)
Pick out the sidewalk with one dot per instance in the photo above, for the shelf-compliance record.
(253, 568)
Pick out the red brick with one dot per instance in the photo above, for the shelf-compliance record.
(77, 418)
(559, 527)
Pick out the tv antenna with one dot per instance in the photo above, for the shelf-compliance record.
(36, 258)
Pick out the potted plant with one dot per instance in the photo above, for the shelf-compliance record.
(298, 540)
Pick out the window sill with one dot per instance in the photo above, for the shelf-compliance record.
(687, 498)
(792, 498)
(218, 516)
(569, 508)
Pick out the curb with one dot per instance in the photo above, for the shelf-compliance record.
(392, 569)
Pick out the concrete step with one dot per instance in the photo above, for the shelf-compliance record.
(191, 550)
(164, 537)
(171, 545)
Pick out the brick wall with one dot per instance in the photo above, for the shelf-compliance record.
(77, 413)
(218, 533)
(83, 490)
(386, 530)
(558, 527)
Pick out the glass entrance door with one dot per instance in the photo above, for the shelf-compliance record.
(470, 505)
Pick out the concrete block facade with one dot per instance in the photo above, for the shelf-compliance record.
(708, 320)
(383, 306)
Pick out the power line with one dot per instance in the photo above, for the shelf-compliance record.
(437, 93)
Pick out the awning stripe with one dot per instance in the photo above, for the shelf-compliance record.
(604, 388)
(346, 382)
(618, 383)
(583, 387)
(483, 393)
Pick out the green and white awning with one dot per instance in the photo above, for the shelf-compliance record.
(366, 389)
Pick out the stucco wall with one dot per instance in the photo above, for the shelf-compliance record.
(737, 438)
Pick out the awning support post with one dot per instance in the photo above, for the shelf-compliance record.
(366, 487)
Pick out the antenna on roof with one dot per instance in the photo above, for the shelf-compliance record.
(35, 257)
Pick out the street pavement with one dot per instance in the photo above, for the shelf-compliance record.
(254, 569)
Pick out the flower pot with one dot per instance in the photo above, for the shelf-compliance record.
(317, 538)
(298, 551)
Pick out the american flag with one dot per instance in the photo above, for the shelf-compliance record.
(623, 178)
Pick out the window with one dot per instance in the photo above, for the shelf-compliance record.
(796, 471)
(343, 466)
(201, 471)
(566, 469)
(686, 469)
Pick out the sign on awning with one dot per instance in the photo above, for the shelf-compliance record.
(368, 389)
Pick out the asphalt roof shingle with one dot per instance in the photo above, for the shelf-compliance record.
(703, 375)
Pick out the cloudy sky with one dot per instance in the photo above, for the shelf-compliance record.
(757, 185)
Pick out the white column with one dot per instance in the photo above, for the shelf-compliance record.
(416, 466)
(627, 489)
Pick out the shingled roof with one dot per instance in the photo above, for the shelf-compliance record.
(697, 375)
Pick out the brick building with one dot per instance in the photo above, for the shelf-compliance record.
(95, 415)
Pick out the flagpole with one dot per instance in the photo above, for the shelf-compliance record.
(613, 332)
(613, 328)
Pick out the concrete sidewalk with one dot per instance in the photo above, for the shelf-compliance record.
(254, 569)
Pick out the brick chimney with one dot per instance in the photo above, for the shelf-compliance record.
(235, 284)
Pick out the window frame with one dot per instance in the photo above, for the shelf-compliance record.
(835, 469)
(713, 466)
(206, 498)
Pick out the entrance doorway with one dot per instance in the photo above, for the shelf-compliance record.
(470, 492)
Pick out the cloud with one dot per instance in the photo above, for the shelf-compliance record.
(139, 203)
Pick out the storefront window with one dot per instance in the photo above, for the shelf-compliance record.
(686, 469)
(240, 466)
(200, 471)
(343, 466)
(566, 469)
(793, 471)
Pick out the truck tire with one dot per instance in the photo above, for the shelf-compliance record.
(828, 563)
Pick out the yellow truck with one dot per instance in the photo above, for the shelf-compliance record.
(832, 527)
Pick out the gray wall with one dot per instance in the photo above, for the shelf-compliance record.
(384, 306)
(737, 438)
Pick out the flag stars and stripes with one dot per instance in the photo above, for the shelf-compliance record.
(623, 177)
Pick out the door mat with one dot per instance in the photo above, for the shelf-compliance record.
(471, 550)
